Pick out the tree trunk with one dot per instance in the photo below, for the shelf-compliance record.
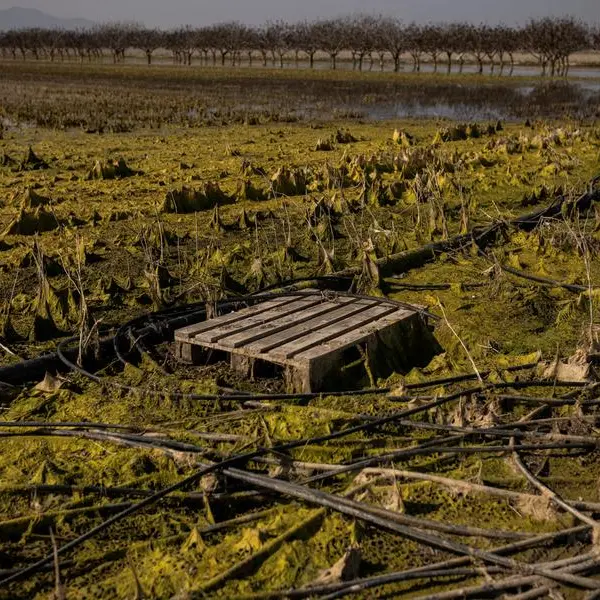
(416, 63)
(149, 57)
(449, 55)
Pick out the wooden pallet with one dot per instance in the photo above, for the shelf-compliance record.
(307, 335)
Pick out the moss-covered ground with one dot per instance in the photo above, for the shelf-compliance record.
(98, 228)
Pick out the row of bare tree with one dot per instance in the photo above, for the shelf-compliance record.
(551, 41)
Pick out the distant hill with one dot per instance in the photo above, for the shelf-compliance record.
(20, 18)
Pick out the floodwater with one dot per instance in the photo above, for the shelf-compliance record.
(575, 72)
(584, 98)
(577, 95)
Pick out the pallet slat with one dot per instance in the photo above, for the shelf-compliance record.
(186, 333)
(308, 329)
(221, 333)
(352, 335)
(348, 327)
(251, 340)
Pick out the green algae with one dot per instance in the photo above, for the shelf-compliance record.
(343, 208)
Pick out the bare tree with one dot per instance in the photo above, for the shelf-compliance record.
(227, 39)
(306, 40)
(187, 44)
(415, 44)
(9, 43)
(391, 38)
(509, 42)
(361, 33)
(452, 42)
(118, 37)
(249, 43)
(552, 42)
(595, 38)
(431, 36)
(332, 38)
(278, 36)
(476, 44)
(148, 41)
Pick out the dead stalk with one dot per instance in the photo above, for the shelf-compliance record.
(469, 356)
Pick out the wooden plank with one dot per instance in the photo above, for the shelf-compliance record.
(353, 335)
(348, 326)
(186, 333)
(286, 323)
(306, 328)
(222, 333)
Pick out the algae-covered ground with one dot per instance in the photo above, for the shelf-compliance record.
(100, 228)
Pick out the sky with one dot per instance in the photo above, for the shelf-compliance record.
(168, 13)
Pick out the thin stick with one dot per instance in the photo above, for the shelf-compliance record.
(59, 591)
(441, 307)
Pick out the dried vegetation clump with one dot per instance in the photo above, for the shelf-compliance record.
(115, 169)
(187, 200)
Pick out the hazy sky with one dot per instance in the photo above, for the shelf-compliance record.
(175, 12)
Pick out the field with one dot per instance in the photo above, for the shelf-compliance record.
(131, 196)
